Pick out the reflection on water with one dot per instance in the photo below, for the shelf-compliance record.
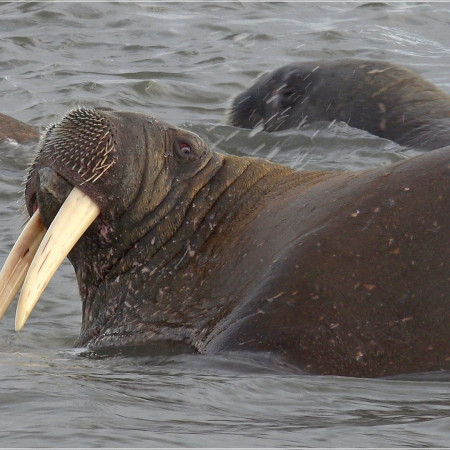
(181, 63)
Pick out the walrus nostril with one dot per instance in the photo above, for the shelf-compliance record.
(83, 142)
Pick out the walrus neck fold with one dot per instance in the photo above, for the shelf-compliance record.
(182, 232)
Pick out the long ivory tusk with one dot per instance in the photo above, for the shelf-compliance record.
(18, 261)
(72, 220)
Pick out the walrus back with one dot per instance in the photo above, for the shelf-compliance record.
(411, 110)
(21, 132)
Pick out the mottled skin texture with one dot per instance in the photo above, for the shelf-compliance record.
(339, 273)
(384, 99)
(15, 129)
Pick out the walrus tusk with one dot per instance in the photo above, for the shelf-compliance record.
(19, 260)
(73, 219)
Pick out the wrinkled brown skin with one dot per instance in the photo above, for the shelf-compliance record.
(21, 132)
(382, 98)
(338, 273)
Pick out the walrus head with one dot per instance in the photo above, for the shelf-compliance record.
(385, 99)
(87, 144)
(98, 174)
(279, 100)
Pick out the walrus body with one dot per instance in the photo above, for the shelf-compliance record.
(384, 99)
(20, 132)
(340, 273)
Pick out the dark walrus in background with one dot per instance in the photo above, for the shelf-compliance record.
(384, 99)
(21, 132)
(339, 273)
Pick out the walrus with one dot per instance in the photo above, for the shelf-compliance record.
(16, 130)
(385, 99)
(334, 272)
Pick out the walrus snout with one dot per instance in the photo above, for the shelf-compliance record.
(245, 111)
(80, 148)
(84, 148)
(268, 106)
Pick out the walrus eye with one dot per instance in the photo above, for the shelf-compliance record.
(185, 149)
(287, 96)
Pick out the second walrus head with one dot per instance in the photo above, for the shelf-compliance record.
(382, 98)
